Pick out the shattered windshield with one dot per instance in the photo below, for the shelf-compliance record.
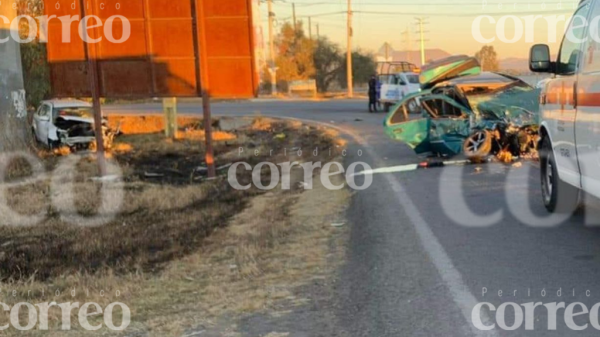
(81, 112)
(516, 102)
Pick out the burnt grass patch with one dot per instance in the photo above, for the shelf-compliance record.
(168, 207)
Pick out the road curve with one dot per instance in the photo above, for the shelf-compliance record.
(418, 262)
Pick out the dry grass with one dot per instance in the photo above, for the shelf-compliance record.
(135, 125)
(169, 252)
(282, 241)
(166, 209)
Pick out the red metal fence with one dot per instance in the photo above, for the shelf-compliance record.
(177, 48)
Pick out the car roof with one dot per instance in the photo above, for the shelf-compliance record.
(67, 103)
(485, 77)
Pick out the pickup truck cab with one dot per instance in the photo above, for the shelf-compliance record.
(569, 140)
(397, 80)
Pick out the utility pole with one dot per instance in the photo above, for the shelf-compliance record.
(310, 27)
(294, 17)
(209, 155)
(13, 107)
(421, 22)
(273, 68)
(349, 52)
(318, 34)
(92, 54)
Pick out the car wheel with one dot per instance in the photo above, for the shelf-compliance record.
(478, 145)
(558, 196)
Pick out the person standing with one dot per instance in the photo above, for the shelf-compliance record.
(373, 94)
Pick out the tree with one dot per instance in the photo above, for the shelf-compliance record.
(488, 58)
(363, 67)
(328, 61)
(294, 58)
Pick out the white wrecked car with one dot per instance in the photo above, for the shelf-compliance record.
(68, 123)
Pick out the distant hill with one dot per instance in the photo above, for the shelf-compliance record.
(514, 63)
(518, 65)
(412, 56)
(511, 64)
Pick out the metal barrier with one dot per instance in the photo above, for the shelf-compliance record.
(303, 87)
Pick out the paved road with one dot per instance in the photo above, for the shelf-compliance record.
(418, 262)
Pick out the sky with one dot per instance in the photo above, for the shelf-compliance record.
(449, 24)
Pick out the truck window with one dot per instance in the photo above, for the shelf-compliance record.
(591, 57)
(570, 50)
(413, 79)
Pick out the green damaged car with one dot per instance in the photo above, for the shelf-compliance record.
(464, 110)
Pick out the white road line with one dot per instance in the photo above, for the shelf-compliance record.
(459, 291)
(392, 169)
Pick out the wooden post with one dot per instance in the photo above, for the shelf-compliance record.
(349, 53)
(205, 92)
(210, 159)
(272, 67)
(170, 111)
(95, 88)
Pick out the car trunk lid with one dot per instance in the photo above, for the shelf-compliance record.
(448, 68)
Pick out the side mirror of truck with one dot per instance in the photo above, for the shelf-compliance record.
(539, 59)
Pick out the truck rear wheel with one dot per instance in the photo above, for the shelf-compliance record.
(559, 197)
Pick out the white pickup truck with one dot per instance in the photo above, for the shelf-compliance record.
(570, 113)
(398, 79)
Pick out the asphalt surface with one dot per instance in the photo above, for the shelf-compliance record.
(418, 262)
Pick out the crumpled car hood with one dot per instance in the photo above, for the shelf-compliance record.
(517, 107)
(448, 68)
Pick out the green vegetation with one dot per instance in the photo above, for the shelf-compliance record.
(302, 58)
(488, 58)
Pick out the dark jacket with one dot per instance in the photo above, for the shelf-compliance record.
(372, 86)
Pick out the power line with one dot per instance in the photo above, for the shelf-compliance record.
(432, 14)
(453, 4)
(460, 14)
(316, 15)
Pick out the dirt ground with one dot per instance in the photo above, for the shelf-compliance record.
(184, 253)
